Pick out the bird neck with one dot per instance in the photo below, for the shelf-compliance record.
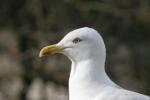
(87, 77)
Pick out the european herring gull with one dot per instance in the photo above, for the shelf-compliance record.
(88, 79)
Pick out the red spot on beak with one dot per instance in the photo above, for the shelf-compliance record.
(47, 53)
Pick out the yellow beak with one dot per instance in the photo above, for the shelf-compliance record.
(50, 50)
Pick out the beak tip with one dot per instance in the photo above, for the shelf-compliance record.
(40, 55)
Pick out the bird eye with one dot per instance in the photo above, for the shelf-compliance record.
(77, 40)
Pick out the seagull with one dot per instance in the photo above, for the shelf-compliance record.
(88, 79)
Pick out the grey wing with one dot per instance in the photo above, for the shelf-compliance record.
(121, 94)
(129, 95)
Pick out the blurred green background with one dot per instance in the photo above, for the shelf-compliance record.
(28, 25)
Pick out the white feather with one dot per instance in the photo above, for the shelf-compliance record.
(88, 80)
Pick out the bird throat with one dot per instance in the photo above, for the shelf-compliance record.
(86, 78)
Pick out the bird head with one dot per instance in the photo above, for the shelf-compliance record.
(77, 45)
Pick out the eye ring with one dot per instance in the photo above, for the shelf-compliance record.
(76, 40)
